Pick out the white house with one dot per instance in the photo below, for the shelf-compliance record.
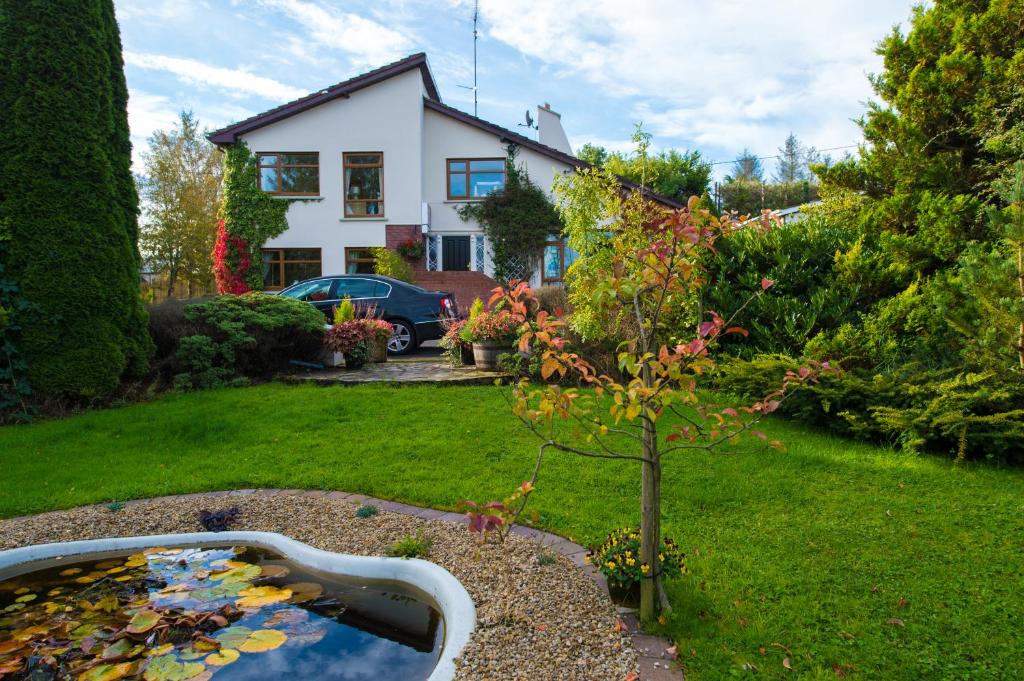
(378, 160)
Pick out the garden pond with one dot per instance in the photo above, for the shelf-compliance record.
(230, 613)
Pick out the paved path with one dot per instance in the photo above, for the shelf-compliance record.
(414, 370)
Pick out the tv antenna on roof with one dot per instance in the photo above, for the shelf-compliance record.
(476, 19)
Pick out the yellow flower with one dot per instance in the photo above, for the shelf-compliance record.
(645, 568)
(661, 556)
(610, 564)
(630, 562)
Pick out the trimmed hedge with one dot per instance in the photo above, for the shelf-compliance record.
(68, 198)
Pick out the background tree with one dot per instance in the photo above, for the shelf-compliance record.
(746, 168)
(68, 197)
(929, 353)
(181, 189)
(672, 173)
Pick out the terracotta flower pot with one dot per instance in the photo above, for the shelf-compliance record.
(485, 354)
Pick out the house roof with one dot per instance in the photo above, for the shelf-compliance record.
(506, 135)
(229, 135)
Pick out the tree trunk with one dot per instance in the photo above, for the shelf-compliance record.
(650, 523)
(1020, 285)
(172, 279)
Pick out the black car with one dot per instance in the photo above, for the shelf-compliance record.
(415, 313)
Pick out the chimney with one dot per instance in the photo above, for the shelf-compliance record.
(549, 129)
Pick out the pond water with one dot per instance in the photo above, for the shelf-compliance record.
(230, 613)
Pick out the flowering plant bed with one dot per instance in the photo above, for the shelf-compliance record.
(618, 558)
(378, 332)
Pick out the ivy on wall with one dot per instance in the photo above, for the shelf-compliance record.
(248, 217)
(516, 220)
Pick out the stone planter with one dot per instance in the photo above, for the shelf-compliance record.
(332, 359)
(466, 355)
(626, 595)
(378, 350)
(485, 354)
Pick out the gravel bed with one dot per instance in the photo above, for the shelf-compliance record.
(533, 621)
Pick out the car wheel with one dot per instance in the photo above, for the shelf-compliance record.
(403, 338)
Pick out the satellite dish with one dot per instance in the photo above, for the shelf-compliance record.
(529, 121)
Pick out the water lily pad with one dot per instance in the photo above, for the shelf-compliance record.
(263, 640)
(303, 592)
(70, 572)
(258, 596)
(287, 617)
(232, 637)
(273, 571)
(26, 598)
(169, 668)
(223, 658)
(143, 621)
(107, 564)
(107, 672)
(239, 572)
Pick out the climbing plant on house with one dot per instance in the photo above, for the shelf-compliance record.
(516, 220)
(248, 217)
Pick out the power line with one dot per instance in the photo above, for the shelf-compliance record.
(768, 158)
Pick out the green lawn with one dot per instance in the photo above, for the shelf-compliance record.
(812, 554)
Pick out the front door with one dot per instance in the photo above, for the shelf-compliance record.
(455, 253)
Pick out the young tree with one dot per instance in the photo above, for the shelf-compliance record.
(658, 408)
(68, 198)
(181, 188)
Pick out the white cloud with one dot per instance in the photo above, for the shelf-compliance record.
(194, 72)
(723, 75)
(366, 42)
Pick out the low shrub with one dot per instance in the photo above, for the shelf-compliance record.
(411, 546)
(239, 338)
(493, 327)
(388, 263)
(554, 300)
(168, 325)
(367, 511)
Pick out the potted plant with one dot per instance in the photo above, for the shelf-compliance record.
(378, 333)
(618, 559)
(350, 339)
(492, 333)
(455, 348)
(411, 249)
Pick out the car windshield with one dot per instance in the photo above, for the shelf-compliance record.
(318, 289)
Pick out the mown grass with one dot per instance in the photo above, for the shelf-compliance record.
(844, 558)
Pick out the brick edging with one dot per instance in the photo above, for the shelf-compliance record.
(655, 664)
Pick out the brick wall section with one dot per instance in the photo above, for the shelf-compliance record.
(396, 234)
(465, 285)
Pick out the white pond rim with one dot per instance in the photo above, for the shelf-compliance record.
(447, 592)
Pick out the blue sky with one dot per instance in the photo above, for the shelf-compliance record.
(715, 76)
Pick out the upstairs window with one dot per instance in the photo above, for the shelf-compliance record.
(475, 178)
(289, 173)
(364, 184)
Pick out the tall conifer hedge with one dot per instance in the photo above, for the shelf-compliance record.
(67, 197)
